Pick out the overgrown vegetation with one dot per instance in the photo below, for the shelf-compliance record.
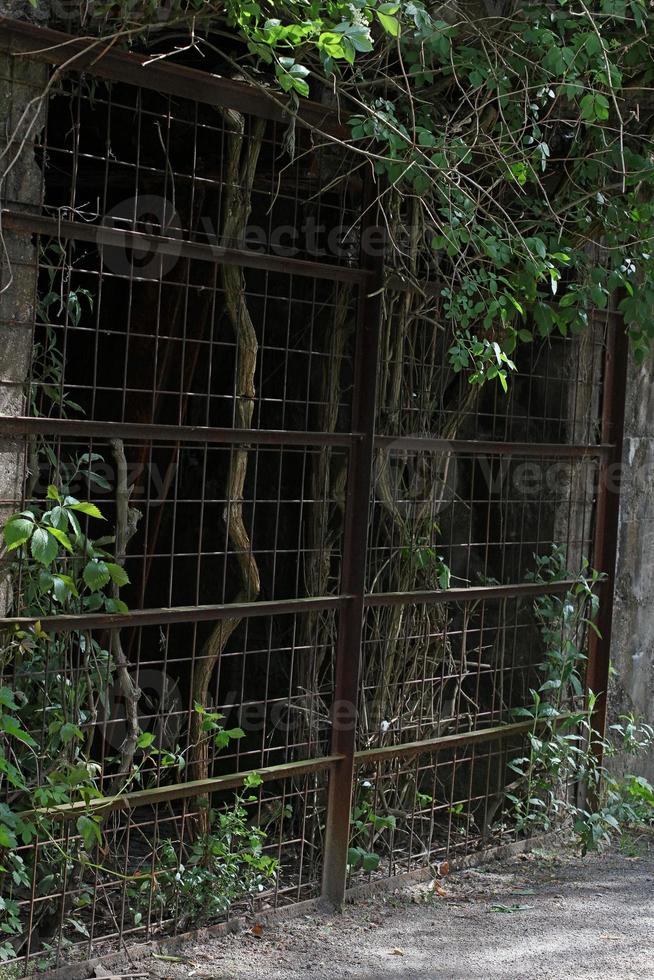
(195, 882)
(517, 136)
(512, 150)
(50, 754)
(561, 780)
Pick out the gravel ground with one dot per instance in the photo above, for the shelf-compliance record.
(546, 914)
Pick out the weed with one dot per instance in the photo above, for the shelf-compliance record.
(560, 779)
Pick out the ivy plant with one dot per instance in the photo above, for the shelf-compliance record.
(560, 780)
(523, 136)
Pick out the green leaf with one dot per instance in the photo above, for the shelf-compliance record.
(223, 737)
(252, 780)
(11, 726)
(332, 44)
(594, 107)
(370, 861)
(8, 839)
(552, 685)
(145, 740)
(43, 546)
(68, 732)
(89, 830)
(62, 582)
(85, 507)
(7, 699)
(444, 577)
(98, 480)
(116, 606)
(60, 536)
(522, 713)
(96, 575)
(390, 23)
(17, 531)
(300, 86)
(118, 574)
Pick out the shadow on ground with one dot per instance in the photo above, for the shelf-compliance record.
(547, 914)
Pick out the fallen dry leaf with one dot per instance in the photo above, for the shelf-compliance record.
(257, 930)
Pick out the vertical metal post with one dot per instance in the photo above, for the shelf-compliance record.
(607, 512)
(355, 539)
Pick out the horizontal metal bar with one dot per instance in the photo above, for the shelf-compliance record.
(476, 447)
(198, 787)
(477, 593)
(24, 425)
(181, 791)
(104, 234)
(177, 614)
(444, 742)
(100, 58)
(279, 607)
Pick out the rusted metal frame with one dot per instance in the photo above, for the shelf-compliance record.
(349, 645)
(280, 607)
(476, 447)
(26, 425)
(478, 593)
(179, 791)
(444, 742)
(100, 57)
(284, 770)
(103, 234)
(179, 614)
(607, 515)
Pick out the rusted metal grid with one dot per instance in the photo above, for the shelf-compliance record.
(362, 683)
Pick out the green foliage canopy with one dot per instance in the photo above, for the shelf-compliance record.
(523, 131)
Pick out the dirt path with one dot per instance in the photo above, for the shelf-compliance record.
(547, 914)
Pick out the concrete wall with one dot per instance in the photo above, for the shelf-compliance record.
(21, 121)
(632, 686)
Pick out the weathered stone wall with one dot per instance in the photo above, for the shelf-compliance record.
(632, 685)
(21, 122)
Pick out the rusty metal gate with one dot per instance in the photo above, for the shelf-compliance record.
(328, 535)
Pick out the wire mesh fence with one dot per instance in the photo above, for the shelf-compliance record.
(272, 611)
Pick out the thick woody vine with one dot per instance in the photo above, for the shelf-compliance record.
(514, 157)
(242, 157)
